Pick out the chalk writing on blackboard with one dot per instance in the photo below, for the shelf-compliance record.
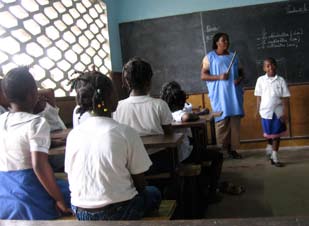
(284, 39)
(211, 30)
(292, 9)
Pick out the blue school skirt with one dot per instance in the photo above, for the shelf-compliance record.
(22, 197)
(273, 128)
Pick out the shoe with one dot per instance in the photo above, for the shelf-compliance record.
(277, 164)
(234, 155)
(231, 189)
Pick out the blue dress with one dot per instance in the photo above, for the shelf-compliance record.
(22, 196)
(223, 94)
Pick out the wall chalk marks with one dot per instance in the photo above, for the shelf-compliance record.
(176, 45)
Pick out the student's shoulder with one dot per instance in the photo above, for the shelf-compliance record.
(125, 130)
(261, 78)
(280, 78)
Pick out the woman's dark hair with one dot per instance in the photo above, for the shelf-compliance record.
(137, 73)
(17, 84)
(92, 89)
(271, 60)
(217, 37)
(173, 95)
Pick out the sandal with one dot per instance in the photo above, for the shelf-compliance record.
(230, 188)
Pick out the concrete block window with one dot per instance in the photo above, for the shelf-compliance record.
(55, 38)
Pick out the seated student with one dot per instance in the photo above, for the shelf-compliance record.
(147, 115)
(46, 107)
(28, 189)
(3, 102)
(176, 98)
(78, 115)
(105, 161)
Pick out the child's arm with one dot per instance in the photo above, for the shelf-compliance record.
(139, 181)
(258, 103)
(45, 175)
(285, 103)
(189, 117)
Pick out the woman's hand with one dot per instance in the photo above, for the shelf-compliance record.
(283, 118)
(224, 76)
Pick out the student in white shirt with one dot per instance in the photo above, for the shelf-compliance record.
(175, 97)
(28, 188)
(105, 161)
(272, 104)
(145, 114)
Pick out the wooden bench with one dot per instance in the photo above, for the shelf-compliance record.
(165, 212)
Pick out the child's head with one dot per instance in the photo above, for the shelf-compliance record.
(20, 89)
(3, 100)
(137, 75)
(172, 94)
(270, 66)
(95, 93)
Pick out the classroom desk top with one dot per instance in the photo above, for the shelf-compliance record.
(198, 123)
(59, 134)
(254, 221)
(162, 141)
(153, 141)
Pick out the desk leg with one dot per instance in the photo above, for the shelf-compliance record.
(213, 132)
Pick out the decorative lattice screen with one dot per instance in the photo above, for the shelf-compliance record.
(55, 37)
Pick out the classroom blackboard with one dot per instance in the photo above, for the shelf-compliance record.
(176, 45)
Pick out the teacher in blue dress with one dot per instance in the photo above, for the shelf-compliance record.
(223, 75)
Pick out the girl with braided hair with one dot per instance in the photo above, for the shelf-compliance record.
(28, 188)
(105, 160)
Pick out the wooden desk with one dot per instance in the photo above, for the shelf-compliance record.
(58, 139)
(165, 142)
(162, 141)
(154, 141)
(60, 134)
(254, 221)
(210, 119)
(199, 135)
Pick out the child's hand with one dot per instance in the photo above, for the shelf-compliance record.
(40, 105)
(224, 76)
(64, 210)
(284, 118)
(256, 115)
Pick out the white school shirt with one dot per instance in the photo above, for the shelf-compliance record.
(271, 90)
(184, 148)
(20, 134)
(77, 118)
(101, 155)
(144, 113)
(51, 114)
